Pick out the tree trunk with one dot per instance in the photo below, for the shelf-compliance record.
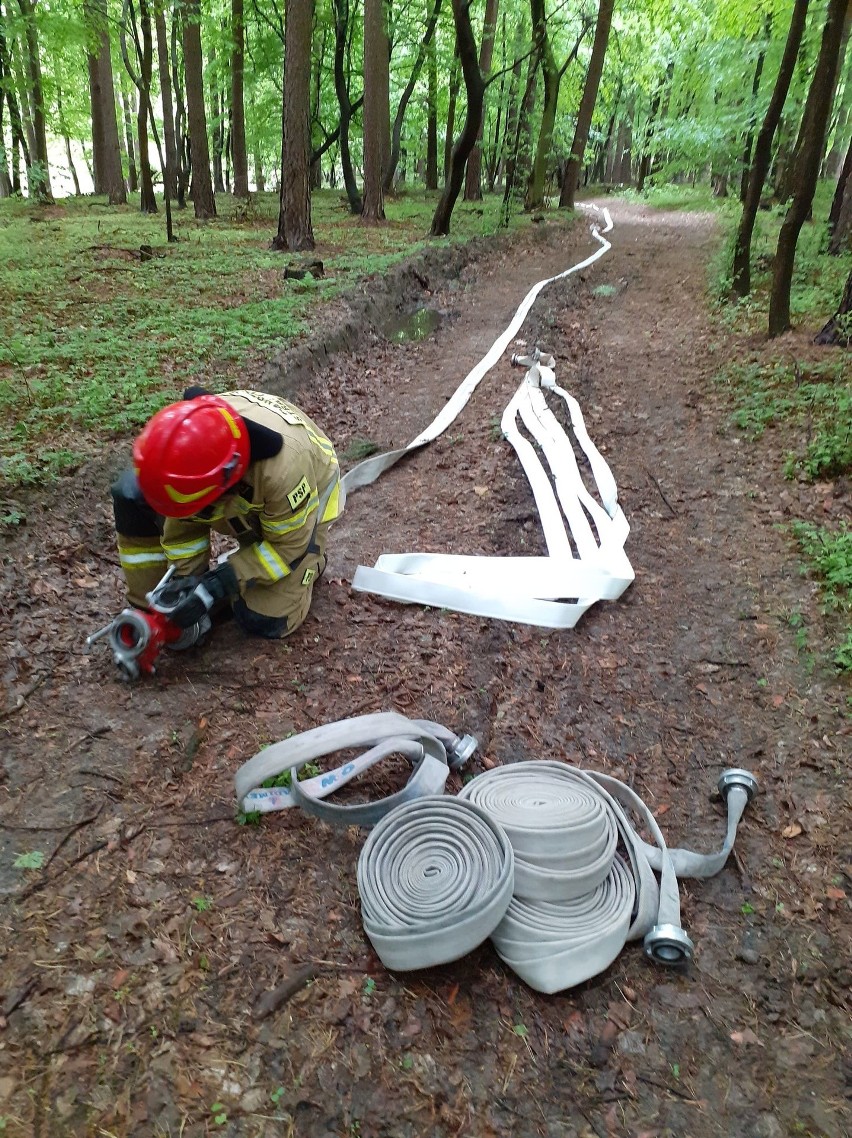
(341, 88)
(148, 200)
(217, 133)
(294, 216)
(755, 88)
(38, 175)
(475, 88)
(449, 133)
(841, 237)
(647, 141)
(170, 172)
(375, 62)
(838, 331)
(64, 129)
(128, 110)
(432, 119)
(238, 114)
(396, 135)
(517, 160)
(203, 199)
(106, 150)
(182, 161)
(763, 150)
(19, 142)
(552, 79)
(574, 164)
(842, 190)
(816, 114)
(473, 174)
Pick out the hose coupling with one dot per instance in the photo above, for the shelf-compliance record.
(668, 944)
(736, 776)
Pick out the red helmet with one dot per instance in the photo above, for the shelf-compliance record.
(189, 454)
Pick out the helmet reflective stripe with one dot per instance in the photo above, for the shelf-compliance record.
(229, 419)
(177, 496)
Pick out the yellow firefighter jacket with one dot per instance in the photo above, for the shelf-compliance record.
(279, 513)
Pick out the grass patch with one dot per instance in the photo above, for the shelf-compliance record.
(828, 554)
(93, 339)
(813, 398)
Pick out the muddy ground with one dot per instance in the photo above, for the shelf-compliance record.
(139, 962)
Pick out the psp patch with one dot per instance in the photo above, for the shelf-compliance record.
(301, 493)
(308, 576)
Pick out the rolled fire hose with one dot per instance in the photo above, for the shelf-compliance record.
(552, 591)
(432, 751)
(577, 901)
(435, 878)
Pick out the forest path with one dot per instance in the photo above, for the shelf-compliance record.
(135, 959)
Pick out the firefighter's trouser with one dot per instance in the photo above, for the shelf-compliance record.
(143, 562)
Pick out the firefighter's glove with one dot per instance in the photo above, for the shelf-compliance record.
(216, 585)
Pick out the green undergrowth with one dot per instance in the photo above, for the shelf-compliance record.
(93, 338)
(794, 393)
(809, 402)
(828, 554)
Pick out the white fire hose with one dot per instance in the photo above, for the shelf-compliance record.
(431, 750)
(577, 899)
(552, 591)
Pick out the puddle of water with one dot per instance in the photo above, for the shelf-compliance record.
(404, 327)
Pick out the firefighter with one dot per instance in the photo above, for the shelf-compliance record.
(246, 464)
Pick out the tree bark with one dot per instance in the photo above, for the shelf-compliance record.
(475, 88)
(755, 88)
(552, 77)
(203, 199)
(449, 133)
(517, 158)
(128, 108)
(473, 173)
(294, 216)
(19, 142)
(842, 191)
(182, 161)
(432, 119)
(238, 113)
(142, 82)
(341, 88)
(170, 172)
(762, 158)
(106, 150)
(38, 174)
(816, 114)
(574, 164)
(375, 62)
(396, 134)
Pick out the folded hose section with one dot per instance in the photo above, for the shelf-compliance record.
(584, 531)
(430, 749)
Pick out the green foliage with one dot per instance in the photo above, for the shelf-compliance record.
(815, 399)
(202, 904)
(93, 340)
(34, 859)
(829, 557)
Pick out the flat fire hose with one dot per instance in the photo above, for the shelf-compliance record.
(552, 591)
(592, 877)
(431, 750)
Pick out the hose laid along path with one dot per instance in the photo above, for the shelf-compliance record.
(552, 591)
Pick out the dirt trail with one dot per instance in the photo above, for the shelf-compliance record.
(138, 962)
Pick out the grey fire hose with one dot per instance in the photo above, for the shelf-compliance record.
(435, 878)
(585, 883)
(431, 749)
